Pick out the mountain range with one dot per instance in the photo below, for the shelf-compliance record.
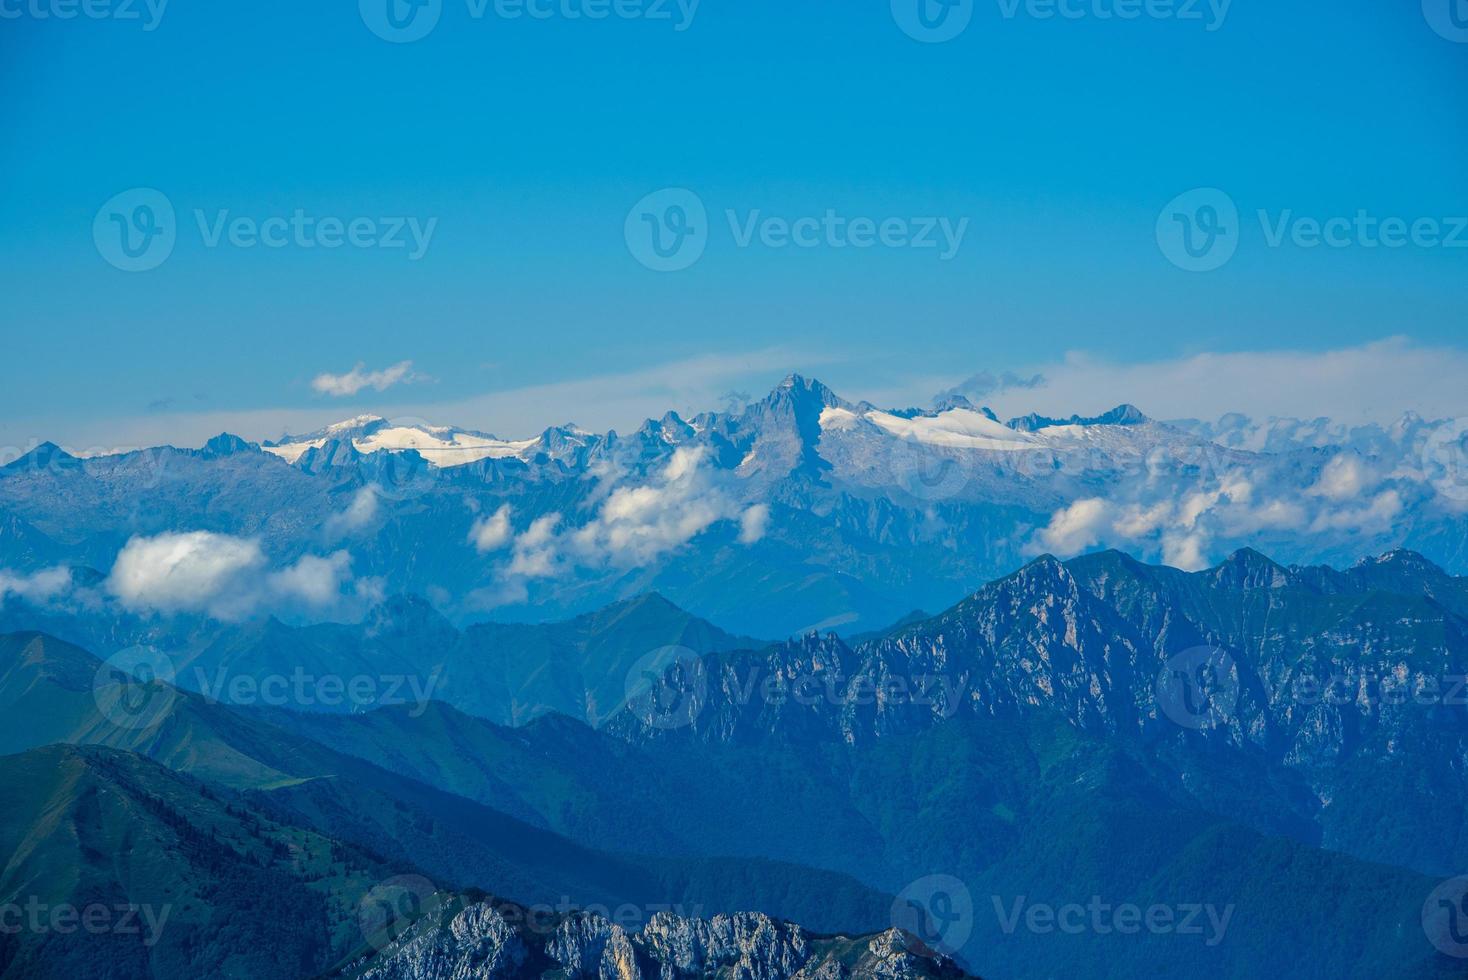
(797, 511)
(1272, 754)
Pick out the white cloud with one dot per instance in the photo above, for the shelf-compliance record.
(1345, 477)
(38, 588)
(1137, 521)
(1184, 551)
(637, 525)
(359, 378)
(313, 580)
(537, 552)
(196, 571)
(361, 512)
(493, 532)
(1191, 520)
(219, 575)
(753, 523)
(1377, 517)
(1075, 528)
(633, 525)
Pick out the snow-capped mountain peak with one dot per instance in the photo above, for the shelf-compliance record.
(441, 446)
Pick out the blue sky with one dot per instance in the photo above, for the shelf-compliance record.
(526, 142)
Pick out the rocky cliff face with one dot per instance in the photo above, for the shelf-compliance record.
(1340, 695)
(479, 941)
(1307, 665)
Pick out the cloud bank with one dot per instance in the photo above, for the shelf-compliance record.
(633, 526)
(1375, 382)
(1190, 523)
(220, 576)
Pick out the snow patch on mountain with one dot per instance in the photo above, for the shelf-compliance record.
(441, 446)
(955, 428)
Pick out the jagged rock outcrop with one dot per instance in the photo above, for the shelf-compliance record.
(478, 941)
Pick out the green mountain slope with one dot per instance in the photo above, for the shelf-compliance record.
(118, 867)
(451, 838)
